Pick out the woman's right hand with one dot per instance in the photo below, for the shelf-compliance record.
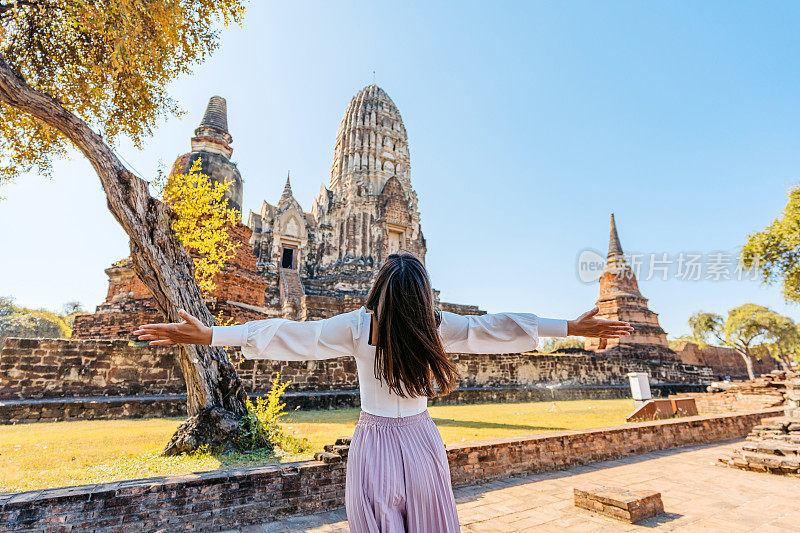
(189, 331)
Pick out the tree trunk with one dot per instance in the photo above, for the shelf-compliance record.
(748, 362)
(783, 359)
(215, 396)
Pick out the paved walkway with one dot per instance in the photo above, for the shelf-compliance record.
(697, 495)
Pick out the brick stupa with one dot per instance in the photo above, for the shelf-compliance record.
(620, 299)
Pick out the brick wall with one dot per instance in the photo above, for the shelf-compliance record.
(723, 402)
(724, 362)
(234, 498)
(461, 309)
(319, 306)
(116, 319)
(531, 369)
(767, 390)
(48, 368)
(93, 408)
(174, 405)
(481, 461)
(51, 368)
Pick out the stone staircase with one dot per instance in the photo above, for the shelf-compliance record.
(292, 294)
(335, 453)
(774, 445)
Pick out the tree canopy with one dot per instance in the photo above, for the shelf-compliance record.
(107, 62)
(750, 329)
(775, 251)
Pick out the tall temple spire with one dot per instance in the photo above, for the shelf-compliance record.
(370, 204)
(371, 144)
(287, 189)
(614, 247)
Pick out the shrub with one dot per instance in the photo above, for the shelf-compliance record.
(259, 428)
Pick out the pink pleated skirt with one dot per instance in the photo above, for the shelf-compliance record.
(398, 479)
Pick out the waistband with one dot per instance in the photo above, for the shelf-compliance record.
(368, 419)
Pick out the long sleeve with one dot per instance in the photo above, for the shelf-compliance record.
(288, 340)
(497, 333)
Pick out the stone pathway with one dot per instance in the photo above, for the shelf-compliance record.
(697, 494)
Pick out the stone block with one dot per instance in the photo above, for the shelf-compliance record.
(657, 409)
(327, 457)
(622, 504)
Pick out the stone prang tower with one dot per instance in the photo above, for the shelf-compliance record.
(370, 208)
(367, 212)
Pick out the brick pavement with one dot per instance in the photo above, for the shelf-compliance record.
(697, 494)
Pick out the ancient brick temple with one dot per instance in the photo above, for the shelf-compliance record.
(620, 299)
(292, 263)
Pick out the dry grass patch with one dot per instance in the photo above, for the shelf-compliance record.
(34, 456)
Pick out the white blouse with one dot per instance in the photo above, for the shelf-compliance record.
(348, 334)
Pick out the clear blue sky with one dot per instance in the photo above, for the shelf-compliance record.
(528, 123)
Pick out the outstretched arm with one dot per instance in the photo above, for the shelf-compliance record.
(274, 338)
(519, 332)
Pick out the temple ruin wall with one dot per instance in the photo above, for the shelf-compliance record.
(53, 368)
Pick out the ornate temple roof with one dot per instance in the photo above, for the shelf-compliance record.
(620, 278)
(211, 144)
(620, 299)
(287, 191)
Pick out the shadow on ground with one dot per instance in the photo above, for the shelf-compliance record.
(472, 424)
(658, 520)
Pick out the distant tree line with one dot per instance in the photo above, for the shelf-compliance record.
(17, 321)
(565, 345)
(753, 331)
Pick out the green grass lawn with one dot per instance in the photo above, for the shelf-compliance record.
(34, 456)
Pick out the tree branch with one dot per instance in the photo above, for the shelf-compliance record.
(717, 335)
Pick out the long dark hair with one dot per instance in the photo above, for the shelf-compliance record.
(409, 356)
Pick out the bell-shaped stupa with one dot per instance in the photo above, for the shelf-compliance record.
(620, 299)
